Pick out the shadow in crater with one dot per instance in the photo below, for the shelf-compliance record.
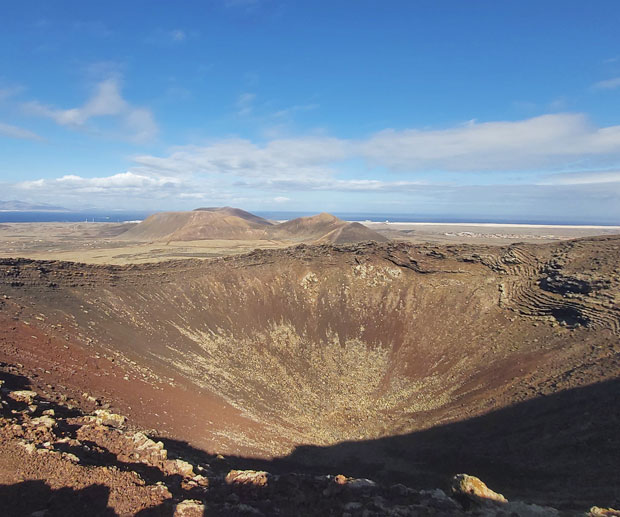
(561, 450)
(30, 497)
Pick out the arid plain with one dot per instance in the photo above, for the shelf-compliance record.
(104, 243)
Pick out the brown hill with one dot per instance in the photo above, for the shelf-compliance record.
(350, 233)
(402, 362)
(203, 223)
(236, 224)
(324, 228)
(236, 212)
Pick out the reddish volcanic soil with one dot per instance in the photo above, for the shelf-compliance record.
(396, 362)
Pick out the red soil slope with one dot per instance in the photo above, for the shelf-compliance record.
(400, 349)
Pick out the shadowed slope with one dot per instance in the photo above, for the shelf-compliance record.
(561, 449)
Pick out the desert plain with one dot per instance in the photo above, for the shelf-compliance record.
(102, 243)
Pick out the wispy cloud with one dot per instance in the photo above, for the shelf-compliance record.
(245, 104)
(137, 123)
(9, 91)
(607, 84)
(287, 112)
(17, 132)
(169, 37)
(582, 178)
(178, 35)
(241, 158)
(330, 184)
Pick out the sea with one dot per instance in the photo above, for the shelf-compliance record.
(118, 216)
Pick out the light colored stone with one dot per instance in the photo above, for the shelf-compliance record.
(201, 480)
(71, 457)
(189, 508)
(44, 420)
(596, 511)
(26, 396)
(475, 490)
(180, 467)
(253, 478)
(110, 419)
(30, 447)
(148, 450)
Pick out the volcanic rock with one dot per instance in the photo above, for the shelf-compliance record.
(25, 396)
(110, 419)
(189, 508)
(247, 478)
(472, 489)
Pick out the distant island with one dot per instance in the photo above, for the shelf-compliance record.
(22, 206)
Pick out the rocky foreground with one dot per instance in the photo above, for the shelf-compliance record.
(57, 460)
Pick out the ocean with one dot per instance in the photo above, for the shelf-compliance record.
(116, 216)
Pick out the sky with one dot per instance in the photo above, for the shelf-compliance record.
(481, 109)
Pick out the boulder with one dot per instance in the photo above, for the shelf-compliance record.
(595, 511)
(44, 421)
(248, 478)
(25, 396)
(110, 419)
(470, 489)
(179, 467)
(189, 508)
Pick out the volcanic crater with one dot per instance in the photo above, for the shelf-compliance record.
(390, 360)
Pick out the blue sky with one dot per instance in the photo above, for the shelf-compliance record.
(479, 109)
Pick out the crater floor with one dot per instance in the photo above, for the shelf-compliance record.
(393, 361)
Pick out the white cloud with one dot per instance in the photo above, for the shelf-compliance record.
(545, 141)
(126, 182)
(17, 132)
(608, 84)
(106, 101)
(281, 199)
